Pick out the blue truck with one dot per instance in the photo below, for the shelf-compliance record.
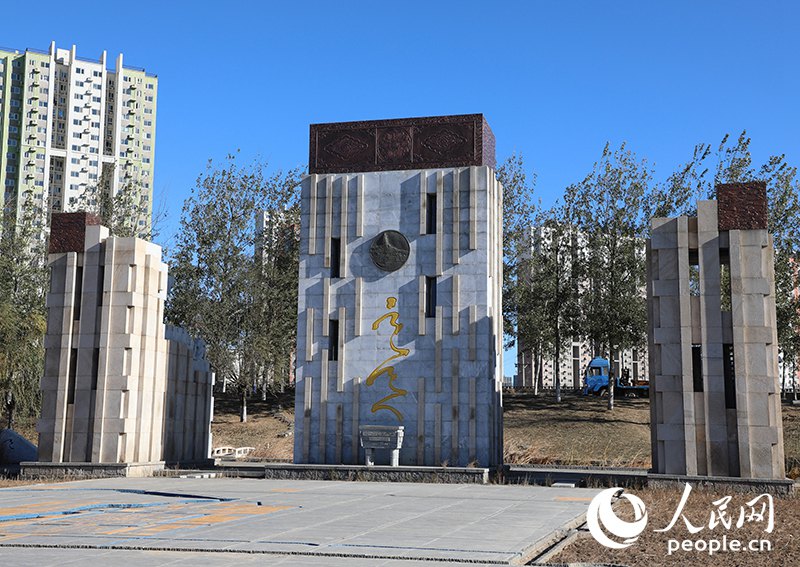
(596, 382)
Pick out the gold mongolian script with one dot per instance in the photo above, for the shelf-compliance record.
(383, 367)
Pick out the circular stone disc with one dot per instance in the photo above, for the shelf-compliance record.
(389, 250)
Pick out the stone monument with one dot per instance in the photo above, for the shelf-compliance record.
(119, 387)
(714, 390)
(400, 308)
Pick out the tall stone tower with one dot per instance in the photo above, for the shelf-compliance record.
(119, 386)
(400, 309)
(713, 347)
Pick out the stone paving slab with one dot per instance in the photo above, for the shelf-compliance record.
(171, 521)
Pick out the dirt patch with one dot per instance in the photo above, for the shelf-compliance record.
(269, 427)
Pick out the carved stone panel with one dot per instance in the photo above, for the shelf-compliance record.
(407, 143)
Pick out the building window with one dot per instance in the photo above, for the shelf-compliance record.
(430, 213)
(430, 297)
(336, 257)
(333, 340)
(729, 376)
(697, 367)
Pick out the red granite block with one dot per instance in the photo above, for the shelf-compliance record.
(742, 206)
(68, 231)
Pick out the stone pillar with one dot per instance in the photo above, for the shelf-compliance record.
(106, 374)
(715, 404)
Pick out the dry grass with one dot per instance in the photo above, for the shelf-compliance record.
(652, 547)
(577, 431)
(791, 439)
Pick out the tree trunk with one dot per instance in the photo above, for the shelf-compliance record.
(557, 365)
(540, 375)
(10, 403)
(794, 376)
(537, 370)
(611, 380)
(243, 407)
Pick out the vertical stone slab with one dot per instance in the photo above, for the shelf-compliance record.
(437, 434)
(473, 208)
(312, 216)
(455, 416)
(420, 421)
(711, 333)
(343, 220)
(323, 409)
(360, 206)
(341, 346)
(326, 305)
(438, 349)
(339, 434)
(309, 333)
(307, 407)
(421, 305)
(359, 286)
(456, 307)
(473, 332)
(456, 215)
(354, 439)
(439, 222)
(473, 434)
(328, 219)
(423, 201)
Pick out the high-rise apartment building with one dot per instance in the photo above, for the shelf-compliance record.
(69, 126)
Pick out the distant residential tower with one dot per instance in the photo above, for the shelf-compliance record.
(70, 125)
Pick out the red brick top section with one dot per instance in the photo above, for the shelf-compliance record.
(406, 143)
(742, 206)
(68, 231)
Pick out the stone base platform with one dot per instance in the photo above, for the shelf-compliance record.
(291, 471)
(34, 470)
(735, 484)
(592, 477)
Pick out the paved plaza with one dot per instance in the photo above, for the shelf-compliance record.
(226, 521)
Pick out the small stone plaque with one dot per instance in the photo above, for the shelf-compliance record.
(389, 250)
(381, 436)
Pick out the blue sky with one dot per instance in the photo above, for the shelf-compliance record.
(556, 80)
